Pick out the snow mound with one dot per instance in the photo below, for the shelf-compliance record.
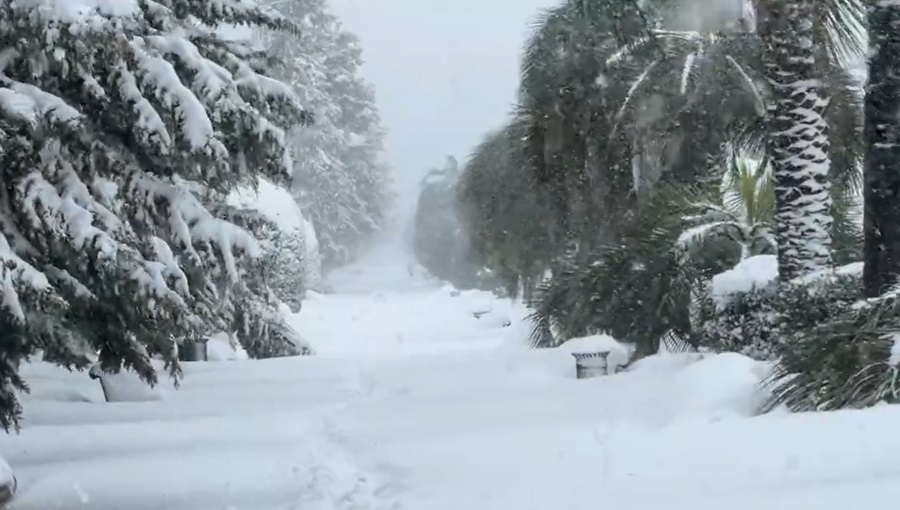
(6, 473)
(749, 274)
(220, 348)
(495, 319)
(828, 275)
(125, 386)
(720, 385)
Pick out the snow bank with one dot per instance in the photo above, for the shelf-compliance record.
(220, 348)
(829, 274)
(720, 385)
(125, 386)
(750, 274)
(414, 404)
(6, 473)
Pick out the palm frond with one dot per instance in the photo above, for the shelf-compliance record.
(841, 26)
(844, 363)
(693, 238)
(751, 85)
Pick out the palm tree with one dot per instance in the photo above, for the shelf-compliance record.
(503, 212)
(612, 111)
(743, 215)
(882, 175)
(565, 100)
(798, 129)
(710, 59)
(614, 118)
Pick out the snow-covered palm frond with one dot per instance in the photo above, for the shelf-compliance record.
(744, 214)
(693, 62)
(750, 191)
(751, 84)
(694, 237)
(841, 29)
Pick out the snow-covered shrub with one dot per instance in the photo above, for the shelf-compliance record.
(851, 360)
(123, 127)
(747, 311)
(290, 249)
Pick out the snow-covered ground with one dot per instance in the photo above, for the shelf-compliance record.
(413, 403)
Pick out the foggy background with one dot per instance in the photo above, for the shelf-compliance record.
(445, 73)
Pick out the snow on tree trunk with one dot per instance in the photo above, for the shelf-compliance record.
(798, 139)
(882, 135)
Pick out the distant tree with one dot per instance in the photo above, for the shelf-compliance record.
(340, 180)
(506, 217)
(439, 242)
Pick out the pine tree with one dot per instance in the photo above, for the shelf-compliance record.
(123, 126)
(339, 179)
(280, 226)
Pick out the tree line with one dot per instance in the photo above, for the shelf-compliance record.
(726, 184)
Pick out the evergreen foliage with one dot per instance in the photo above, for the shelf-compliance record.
(123, 126)
(634, 123)
(340, 180)
(848, 361)
(638, 289)
(438, 240)
(768, 323)
(505, 215)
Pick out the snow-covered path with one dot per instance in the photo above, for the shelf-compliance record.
(413, 403)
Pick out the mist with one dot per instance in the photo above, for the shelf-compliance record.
(444, 73)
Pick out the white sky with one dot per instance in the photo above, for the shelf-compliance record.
(445, 73)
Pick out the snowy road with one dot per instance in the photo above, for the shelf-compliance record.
(414, 404)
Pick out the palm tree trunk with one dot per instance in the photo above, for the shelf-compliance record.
(798, 139)
(882, 134)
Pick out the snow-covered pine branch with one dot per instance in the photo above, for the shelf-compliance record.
(123, 127)
(340, 179)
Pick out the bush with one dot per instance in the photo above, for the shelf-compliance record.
(832, 350)
(766, 322)
(845, 362)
